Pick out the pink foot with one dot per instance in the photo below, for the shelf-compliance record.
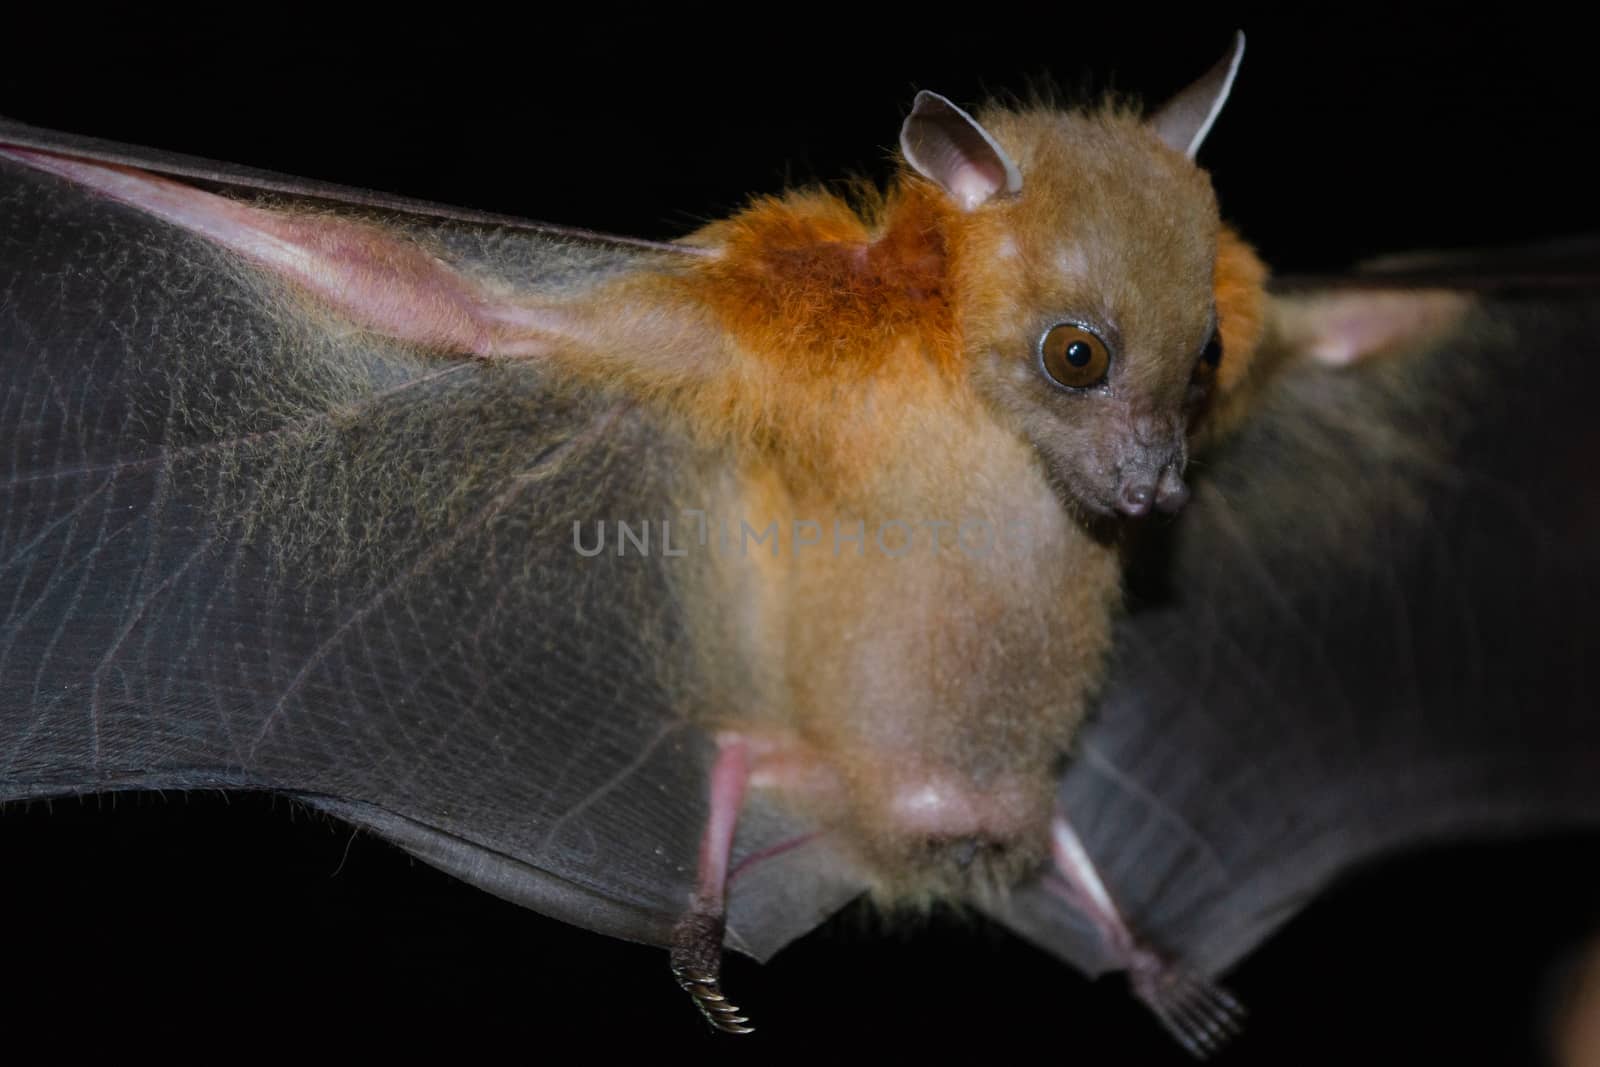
(1200, 1014)
(697, 939)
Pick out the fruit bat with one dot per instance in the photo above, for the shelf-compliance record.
(307, 546)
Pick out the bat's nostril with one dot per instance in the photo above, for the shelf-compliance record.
(1173, 494)
(1135, 498)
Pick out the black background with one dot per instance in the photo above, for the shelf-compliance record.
(200, 928)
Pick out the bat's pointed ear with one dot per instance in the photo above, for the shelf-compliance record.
(947, 146)
(1184, 121)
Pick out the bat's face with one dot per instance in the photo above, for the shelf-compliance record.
(1102, 342)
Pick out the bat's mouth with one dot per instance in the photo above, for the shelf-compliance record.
(1089, 501)
(1096, 508)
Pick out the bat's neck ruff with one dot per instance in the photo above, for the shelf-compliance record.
(820, 290)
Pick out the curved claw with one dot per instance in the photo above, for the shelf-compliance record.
(1200, 1014)
(706, 992)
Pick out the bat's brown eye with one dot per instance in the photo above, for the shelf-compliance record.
(1074, 356)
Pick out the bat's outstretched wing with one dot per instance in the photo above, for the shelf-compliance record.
(247, 542)
(1373, 627)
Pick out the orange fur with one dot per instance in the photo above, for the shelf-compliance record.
(811, 287)
(842, 321)
(1247, 363)
(1240, 284)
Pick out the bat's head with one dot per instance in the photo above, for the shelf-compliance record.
(1100, 298)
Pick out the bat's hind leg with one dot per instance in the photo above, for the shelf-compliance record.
(1199, 1013)
(697, 939)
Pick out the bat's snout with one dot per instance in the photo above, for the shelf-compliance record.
(1153, 485)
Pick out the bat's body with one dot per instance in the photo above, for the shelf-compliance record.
(276, 527)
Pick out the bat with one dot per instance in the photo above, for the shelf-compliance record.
(349, 549)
